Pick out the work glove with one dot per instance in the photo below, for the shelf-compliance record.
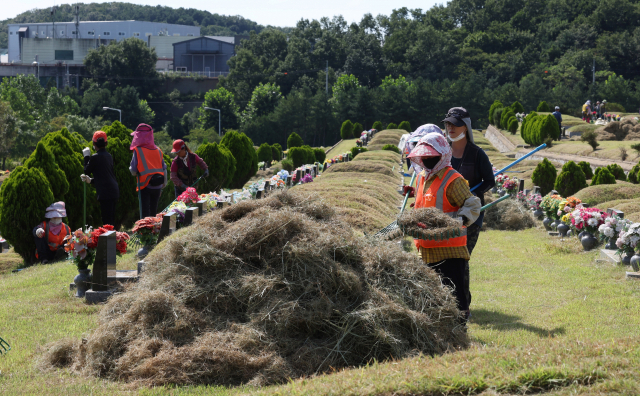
(412, 204)
(39, 232)
(206, 173)
(85, 179)
(86, 151)
(410, 190)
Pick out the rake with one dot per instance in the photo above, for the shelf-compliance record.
(4, 346)
(394, 226)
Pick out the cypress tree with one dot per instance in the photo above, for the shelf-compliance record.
(517, 107)
(24, 198)
(504, 118)
(246, 158)
(497, 115)
(309, 155)
(222, 167)
(275, 153)
(346, 131)
(602, 175)
(543, 107)
(294, 140)
(391, 125)
(544, 176)
(43, 159)
(297, 155)
(264, 154)
(586, 168)
(633, 174)
(513, 125)
(525, 128)
(278, 147)
(496, 105)
(617, 172)
(377, 126)
(570, 180)
(547, 127)
(406, 126)
(357, 130)
(320, 155)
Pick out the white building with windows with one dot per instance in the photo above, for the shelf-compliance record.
(99, 32)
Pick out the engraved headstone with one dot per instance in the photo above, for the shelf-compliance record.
(202, 205)
(190, 215)
(536, 190)
(521, 186)
(259, 194)
(616, 212)
(104, 264)
(299, 175)
(168, 226)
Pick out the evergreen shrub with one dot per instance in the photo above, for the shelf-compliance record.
(357, 130)
(504, 118)
(309, 155)
(602, 175)
(497, 114)
(241, 148)
(570, 180)
(586, 168)
(546, 128)
(633, 174)
(24, 197)
(617, 172)
(276, 155)
(513, 125)
(357, 150)
(377, 126)
(297, 155)
(294, 140)
(222, 167)
(544, 176)
(496, 105)
(43, 159)
(517, 107)
(287, 165)
(406, 126)
(320, 155)
(264, 154)
(526, 126)
(392, 126)
(391, 147)
(543, 107)
(346, 131)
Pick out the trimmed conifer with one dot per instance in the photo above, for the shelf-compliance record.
(602, 175)
(320, 155)
(570, 180)
(513, 125)
(43, 159)
(504, 118)
(275, 153)
(543, 107)
(497, 115)
(517, 107)
(222, 167)
(377, 126)
(346, 131)
(586, 168)
(357, 130)
(294, 140)
(242, 149)
(496, 105)
(406, 126)
(544, 176)
(391, 125)
(617, 172)
(633, 174)
(264, 154)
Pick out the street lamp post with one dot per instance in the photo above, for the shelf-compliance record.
(36, 63)
(118, 110)
(219, 119)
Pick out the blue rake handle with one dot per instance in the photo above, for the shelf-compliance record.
(543, 145)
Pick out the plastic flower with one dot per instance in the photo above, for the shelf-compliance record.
(189, 196)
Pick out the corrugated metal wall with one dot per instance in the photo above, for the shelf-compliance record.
(198, 55)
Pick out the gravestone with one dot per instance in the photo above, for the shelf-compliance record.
(289, 179)
(168, 226)
(203, 206)
(307, 171)
(526, 192)
(266, 185)
(299, 175)
(521, 186)
(4, 246)
(190, 215)
(259, 194)
(553, 192)
(104, 266)
(536, 190)
(616, 212)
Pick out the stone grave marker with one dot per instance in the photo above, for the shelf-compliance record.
(168, 226)
(289, 180)
(266, 185)
(299, 175)
(202, 205)
(553, 192)
(4, 246)
(103, 267)
(526, 192)
(536, 190)
(616, 212)
(190, 215)
(259, 194)
(521, 186)
(222, 204)
(307, 171)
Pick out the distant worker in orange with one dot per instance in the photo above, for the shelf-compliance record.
(49, 235)
(150, 169)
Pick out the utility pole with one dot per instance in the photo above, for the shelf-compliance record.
(53, 20)
(326, 81)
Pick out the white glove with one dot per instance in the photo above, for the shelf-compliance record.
(86, 151)
(39, 232)
(85, 179)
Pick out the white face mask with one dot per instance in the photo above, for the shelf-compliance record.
(56, 220)
(460, 137)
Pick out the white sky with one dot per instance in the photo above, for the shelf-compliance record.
(265, 12)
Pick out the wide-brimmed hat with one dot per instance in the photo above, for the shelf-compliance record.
(423, 150)
(56, 210)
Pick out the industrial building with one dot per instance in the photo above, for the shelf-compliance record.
(206, 56)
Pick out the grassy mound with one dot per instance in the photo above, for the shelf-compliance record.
(596, 195)
(625, 129)
(265, 291)
(389, 136)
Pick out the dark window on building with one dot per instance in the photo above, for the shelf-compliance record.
(91, 32)
(106, 33)
(64, 54)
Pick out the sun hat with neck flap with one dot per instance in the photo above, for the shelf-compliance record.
(143, 137)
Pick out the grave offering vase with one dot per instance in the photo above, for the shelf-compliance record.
(538, 213)
(547, 223)
(144, 251)
(494, 190)
(635, 263)
(82, 281)
(589, 242)
(563, 229)
(626, 257)
(611, 244)
(554, 225)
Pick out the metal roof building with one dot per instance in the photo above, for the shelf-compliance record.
(203, 55)
(104, 30)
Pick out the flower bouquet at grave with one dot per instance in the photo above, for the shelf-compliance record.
(510, 186)
(587, 219)
(628, 238)
(550, 204)
(179, 208)
(189, 197)
(612, 227)
(78, 246)
(534, 200)
(521, 196)
(148, 229)
(359, 143)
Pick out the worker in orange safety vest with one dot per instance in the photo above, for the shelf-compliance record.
(148, 165)
(49, 235)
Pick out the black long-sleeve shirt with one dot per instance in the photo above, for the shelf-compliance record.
(100, 165)
(484, 169)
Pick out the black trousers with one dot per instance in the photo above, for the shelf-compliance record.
(150, 198)
(108, 209)
(473, 232)
(452, 273)
(44, 253)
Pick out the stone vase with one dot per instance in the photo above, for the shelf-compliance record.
(563, 229)
(82, 281)
(538, 213)
(588, 242)
(581, 234)
(554, 224)
(494, 190)
(635, 262)
(502, 192)
(547, 223)
(611, 244)
(144, 250)
(626, 258)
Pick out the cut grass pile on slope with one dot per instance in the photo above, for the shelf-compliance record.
(596, 195)
(388, 136)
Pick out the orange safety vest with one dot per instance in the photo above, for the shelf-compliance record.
(54, 241)
(435, 196)
(149, 163)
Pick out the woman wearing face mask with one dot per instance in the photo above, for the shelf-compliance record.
(441, 186)
(49, 235)
(183, 167)
(474, 165)
(100, 165)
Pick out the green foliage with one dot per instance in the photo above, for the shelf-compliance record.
(591, 138)
(43, 159)
(320, 155)
(496, 105)
(517, 107)
(547, 128)
(276, 154)
(570, 180)
(586, 169)
(198, 136)
(241, 148)
(287, 164)
(406, 126)
(633, 174)
(309, 155)
(222, 167)
(602, 175)
(377, 126)
(391, 125)
(505, 116)
(615, 107)
(636, 147)
(497, 116)
(264, 99)
(264, 153)
(513, 125)
(8, 130)
(544, 176)
(346, 131)
(357, 150)
(357, 129)
(294, 140)
(543, 107)
(223, 100)
(391, 147)
(24, 197)
(125, 98)
(301, 156)
(617, 172)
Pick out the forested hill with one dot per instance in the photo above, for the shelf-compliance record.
(211, 24)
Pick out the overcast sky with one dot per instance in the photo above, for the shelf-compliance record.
(265, 12)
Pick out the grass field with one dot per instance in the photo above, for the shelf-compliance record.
(546, 319)
(342, 147)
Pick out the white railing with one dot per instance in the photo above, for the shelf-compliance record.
(209, 74)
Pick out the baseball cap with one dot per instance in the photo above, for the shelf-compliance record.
(177, 145)
(557, 107)
(456, 115)
(99, 134)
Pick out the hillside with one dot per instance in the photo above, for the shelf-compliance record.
(211, 24)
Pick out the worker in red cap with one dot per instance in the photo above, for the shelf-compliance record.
(100, 165)
(183, 167)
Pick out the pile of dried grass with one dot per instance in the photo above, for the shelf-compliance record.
(429, 223)
(509, 215)
(626, 129)
(265, 291)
